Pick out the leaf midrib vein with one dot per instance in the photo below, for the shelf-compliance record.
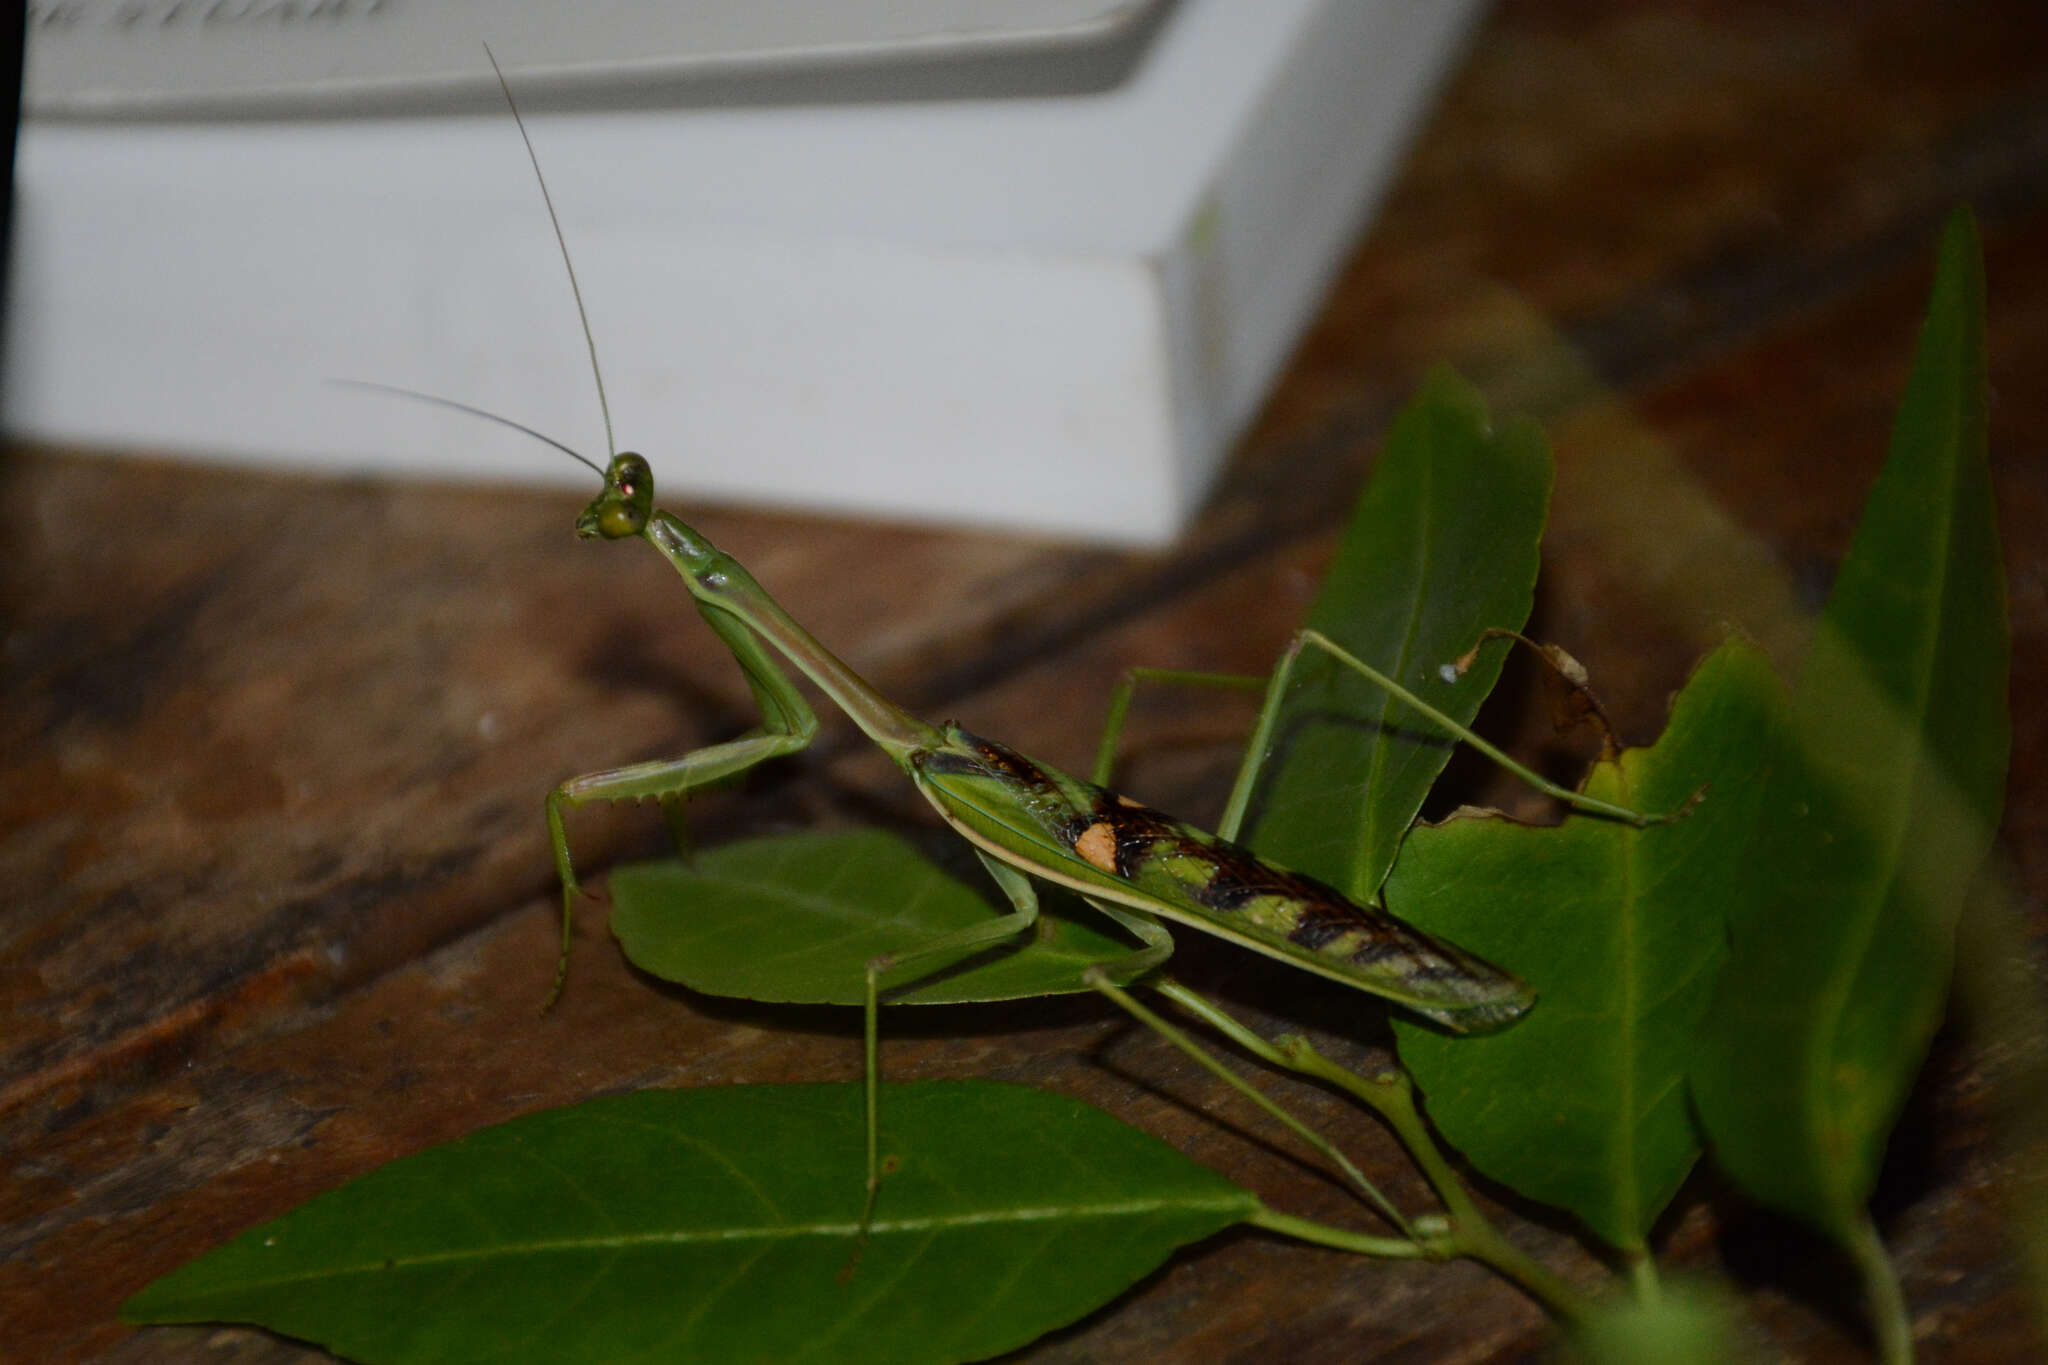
(847, 1228)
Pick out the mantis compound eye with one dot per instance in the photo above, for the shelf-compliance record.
(617, 521)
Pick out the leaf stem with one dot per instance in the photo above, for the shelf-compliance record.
(1466, 1232)
(1881, 1293)
(1215, 1067)
(1391, 1095)
(1642, 1275)
(1343, 1239)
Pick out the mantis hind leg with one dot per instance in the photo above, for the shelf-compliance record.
(1269, 713)
(1275, 687)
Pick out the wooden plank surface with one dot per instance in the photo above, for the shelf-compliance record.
(280, 904)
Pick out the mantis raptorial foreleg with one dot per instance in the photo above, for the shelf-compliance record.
(787, 725)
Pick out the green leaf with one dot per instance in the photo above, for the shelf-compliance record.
(1442, 546)
(720, 1224)
(1621, 931)
(796, 918)
(1880, 808)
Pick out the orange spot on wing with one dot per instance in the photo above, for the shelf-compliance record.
(1097, 844)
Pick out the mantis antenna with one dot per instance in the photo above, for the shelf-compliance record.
(438, 401)
(582, 315)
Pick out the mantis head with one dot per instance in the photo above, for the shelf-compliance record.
(626, 503)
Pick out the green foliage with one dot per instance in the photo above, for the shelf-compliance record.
(721, 1224)
(796, 918)
(1442, 545)
(1762, 972)
(1621, 932)
(1881, 803)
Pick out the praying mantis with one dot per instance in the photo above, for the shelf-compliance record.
(1027, 821)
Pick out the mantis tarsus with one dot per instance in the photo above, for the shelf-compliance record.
(1026, 819)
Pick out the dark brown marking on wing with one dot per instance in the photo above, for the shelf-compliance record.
(1238, 877)
(946, 763)
(1043, 791)
(1119, 836)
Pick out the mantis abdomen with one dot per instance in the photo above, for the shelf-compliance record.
(1109, 847)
